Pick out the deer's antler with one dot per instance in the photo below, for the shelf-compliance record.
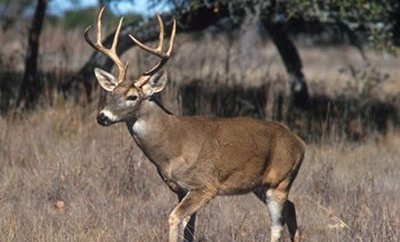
(156, 51)
(121, 68)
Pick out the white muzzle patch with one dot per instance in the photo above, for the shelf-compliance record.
(109, 115)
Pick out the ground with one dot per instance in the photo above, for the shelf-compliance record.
(64, 178)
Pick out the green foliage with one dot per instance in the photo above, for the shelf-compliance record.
(85, 17)
(374, 19)
(79, 18)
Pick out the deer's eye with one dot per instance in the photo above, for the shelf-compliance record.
(132, 98)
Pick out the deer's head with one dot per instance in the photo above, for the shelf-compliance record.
(127, 96)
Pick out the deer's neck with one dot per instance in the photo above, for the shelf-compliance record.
(151, 130)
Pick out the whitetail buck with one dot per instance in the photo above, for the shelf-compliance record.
(198, 157)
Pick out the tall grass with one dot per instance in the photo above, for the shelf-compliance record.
(345, 191)
(64, 178)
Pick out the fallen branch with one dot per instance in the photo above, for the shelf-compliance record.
(330, 213)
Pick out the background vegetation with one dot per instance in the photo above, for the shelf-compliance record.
(64, 178)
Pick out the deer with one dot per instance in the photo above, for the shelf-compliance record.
(200, 157)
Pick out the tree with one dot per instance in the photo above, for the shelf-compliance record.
(359, 20)
(30, 88)
(292, 62)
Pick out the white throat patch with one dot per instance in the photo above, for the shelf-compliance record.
(139, 127)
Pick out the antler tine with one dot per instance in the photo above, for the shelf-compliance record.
(158, 51)
(166, 55)
(161, 35)
(86, 35)
(116, 35)
(122, 69)
(98, 22)
(172, 38)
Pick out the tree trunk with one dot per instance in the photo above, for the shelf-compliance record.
(292, 62)
(30, 87)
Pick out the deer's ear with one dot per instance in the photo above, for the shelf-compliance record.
(156, 83)
(105, 79)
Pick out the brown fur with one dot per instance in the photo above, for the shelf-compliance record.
(227, 156)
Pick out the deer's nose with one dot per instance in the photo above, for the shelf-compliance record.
(103, 119)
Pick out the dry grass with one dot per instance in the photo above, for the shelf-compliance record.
(64, 178)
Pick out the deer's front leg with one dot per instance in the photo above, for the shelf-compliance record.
(188, 224)
(192, 202)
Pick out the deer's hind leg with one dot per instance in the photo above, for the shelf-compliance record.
(281, 211)
(289, 213)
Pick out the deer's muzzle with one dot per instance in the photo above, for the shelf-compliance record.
(103, 120)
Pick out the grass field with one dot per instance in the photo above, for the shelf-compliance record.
(65, 178)
(110, 192)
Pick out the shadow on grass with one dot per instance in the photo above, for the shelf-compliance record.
(341, 116)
